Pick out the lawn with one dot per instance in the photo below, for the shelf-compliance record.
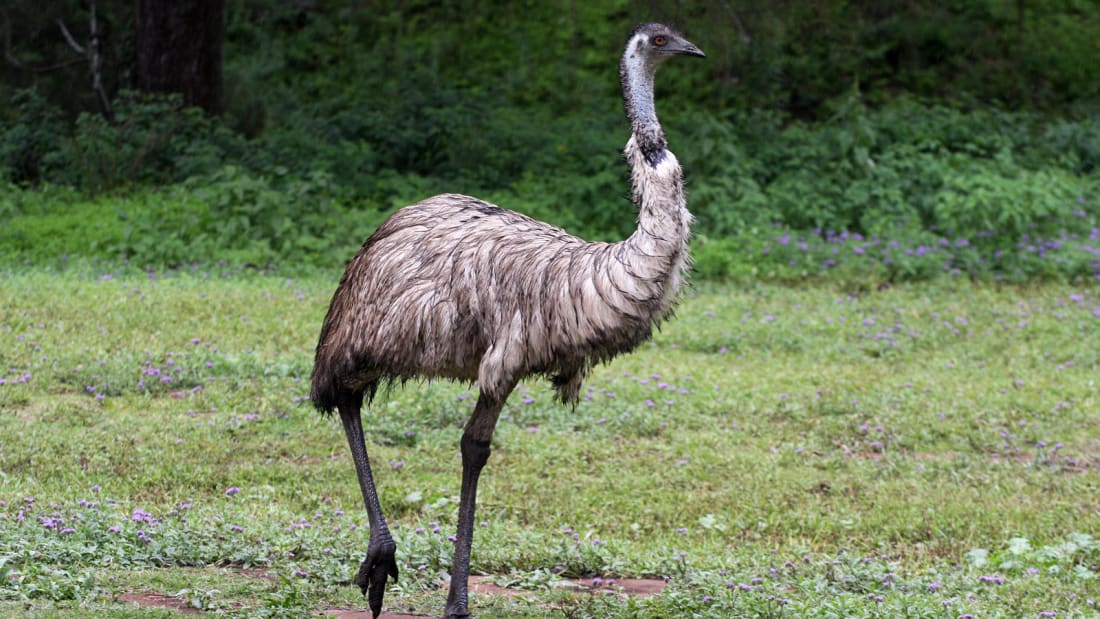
(923, 450)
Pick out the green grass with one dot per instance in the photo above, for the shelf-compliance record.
(924, 451)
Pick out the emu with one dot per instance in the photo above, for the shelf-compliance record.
(454, 287)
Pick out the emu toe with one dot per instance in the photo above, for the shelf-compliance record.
(373, 572)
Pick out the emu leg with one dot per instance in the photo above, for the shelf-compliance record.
(476, 440)
(380, 561)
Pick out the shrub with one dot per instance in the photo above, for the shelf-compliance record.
(30, 139)
(237, 216)
(980, 201)
(153, 139)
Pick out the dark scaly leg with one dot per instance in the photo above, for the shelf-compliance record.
(476, 440)
(380, 561)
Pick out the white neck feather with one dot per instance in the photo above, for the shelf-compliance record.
(655, 256)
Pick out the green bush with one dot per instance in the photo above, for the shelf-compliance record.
(982, 201)
(153, 139)
(243, 218)
(30, 138)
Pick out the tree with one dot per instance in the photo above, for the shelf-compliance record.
(179, 49)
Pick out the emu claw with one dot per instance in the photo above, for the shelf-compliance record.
(379, 564)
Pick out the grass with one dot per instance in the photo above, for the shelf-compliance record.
(923, 450)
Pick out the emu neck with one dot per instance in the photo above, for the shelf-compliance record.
(656, 178)
(651, 265)
(646, 271)
(657, 249)
(636, 74)
(658, 191)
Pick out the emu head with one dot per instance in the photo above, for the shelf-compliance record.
(651, 44)
(647, 47)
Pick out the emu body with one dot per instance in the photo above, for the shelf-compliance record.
(454, 287)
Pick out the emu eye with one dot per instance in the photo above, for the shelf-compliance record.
(660, 40)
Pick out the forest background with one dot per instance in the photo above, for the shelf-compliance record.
(887, 140)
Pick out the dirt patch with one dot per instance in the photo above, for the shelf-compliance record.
(1079, 465)
(640, 587)
(151, 599)
(483, 585)
(159, 600)
(479, 585)
(253, 572)
(342, 613)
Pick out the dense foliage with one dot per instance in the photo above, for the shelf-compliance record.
(900, 139)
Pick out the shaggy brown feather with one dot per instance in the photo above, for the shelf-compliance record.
(455, 287)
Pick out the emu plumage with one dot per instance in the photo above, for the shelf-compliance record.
(455, 287)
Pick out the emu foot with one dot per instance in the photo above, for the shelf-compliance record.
(379, 564)
(456, 604)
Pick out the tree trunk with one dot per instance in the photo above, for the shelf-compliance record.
(179, 49)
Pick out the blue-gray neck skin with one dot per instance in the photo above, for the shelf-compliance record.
(636, 74)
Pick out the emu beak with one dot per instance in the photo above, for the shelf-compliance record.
(687, 48)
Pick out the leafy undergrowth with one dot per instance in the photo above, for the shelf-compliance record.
(924, 451)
